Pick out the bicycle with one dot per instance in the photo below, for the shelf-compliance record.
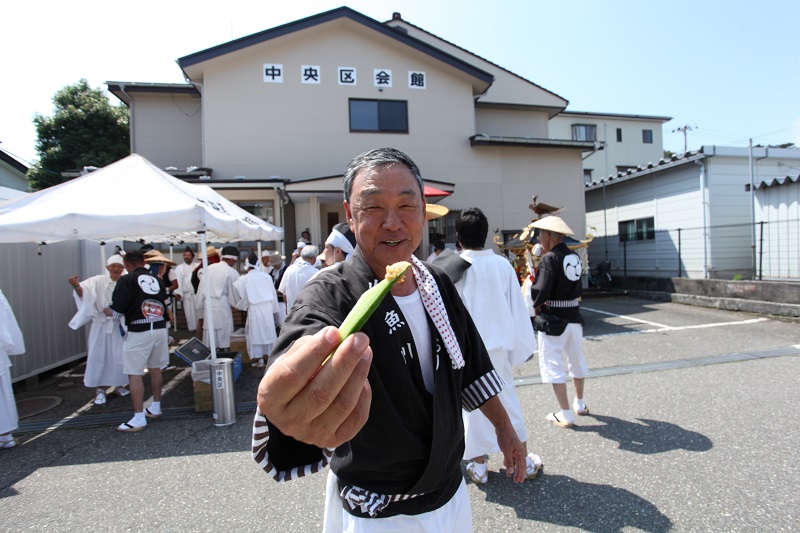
(600, 276)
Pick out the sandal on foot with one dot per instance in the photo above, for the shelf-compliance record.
(127, 427)
(533, 466)
(554, 418)
(477, 477)
(122, 391)
(150, 414)
(258, 364)
(100, 399)
(581, 412)
(7, 444)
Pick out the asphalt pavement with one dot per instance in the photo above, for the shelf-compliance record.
(693, 427)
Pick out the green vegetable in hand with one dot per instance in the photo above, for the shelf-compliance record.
(369, 302)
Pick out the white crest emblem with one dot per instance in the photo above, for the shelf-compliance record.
(572, 267)
(149, 284)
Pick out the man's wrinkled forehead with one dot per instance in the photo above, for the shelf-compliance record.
(372, 180)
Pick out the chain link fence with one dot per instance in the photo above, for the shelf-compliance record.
(768, 251)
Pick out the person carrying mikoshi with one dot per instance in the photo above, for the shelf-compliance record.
(385, 410)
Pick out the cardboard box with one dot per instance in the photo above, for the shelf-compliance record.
(241, 347)
(202, 397)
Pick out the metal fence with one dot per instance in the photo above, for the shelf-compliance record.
(760, 251)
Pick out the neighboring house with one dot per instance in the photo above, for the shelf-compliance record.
(13, 173)
(690, 216)
(778, 218)
(624, 141)
(271, 120)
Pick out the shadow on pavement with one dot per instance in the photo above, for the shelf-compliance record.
(564, 501)
(647, 436)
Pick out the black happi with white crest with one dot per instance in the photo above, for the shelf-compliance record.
(407, 456)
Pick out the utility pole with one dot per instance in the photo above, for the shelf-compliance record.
(684, 130)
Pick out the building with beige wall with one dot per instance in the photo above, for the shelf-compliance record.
(623, 141)
(272, 120)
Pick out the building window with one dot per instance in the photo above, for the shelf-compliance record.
(587, 175)
(637, 230)
(647, 136)
(584, 132)
(619, 135)
(379, 115)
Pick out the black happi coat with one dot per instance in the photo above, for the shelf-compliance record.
(413, 441)
(553, 284)
(131, 300)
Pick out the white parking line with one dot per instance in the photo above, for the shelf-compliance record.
(659, 328)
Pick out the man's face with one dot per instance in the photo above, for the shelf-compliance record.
(331, 255)
(115, 271)
(188, 257)
(387, 215)
(265, 261)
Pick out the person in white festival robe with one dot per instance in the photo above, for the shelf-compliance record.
(185, 292)
(491, 292)
(256, 294)
(104, 347)
(11, 343)
(221, 277)
(297, 274)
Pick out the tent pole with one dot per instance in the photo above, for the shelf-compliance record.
(102, 256)
(208, 318)
(258, 257)
(174, 303)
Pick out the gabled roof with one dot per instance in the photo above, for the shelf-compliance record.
(120, 89)
(328, 16)
(12, 161)
(592, 114)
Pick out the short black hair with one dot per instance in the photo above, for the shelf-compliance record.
(472, 227)
(134, 257)
(438, 245)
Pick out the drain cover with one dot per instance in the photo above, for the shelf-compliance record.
(36, 405)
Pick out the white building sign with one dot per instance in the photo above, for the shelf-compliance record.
(382, 77)
(310, 74)
(417, 79)
(348, 76)
(273, 73)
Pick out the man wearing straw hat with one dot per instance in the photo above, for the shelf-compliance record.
(557, 291)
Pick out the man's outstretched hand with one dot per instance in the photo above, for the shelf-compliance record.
(321, 406)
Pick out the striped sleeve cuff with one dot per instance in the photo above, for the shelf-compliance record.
(261, 455)
(481, 390)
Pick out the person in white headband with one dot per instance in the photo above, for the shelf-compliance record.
(339, 245)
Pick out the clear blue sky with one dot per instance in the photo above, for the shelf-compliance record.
(729, 69)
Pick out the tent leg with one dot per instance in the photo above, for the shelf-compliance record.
(208, 319)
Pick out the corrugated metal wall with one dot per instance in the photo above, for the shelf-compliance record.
(37, 289)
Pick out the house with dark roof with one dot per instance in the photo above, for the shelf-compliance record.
(699, 215)
(13, 172)
(272, 119)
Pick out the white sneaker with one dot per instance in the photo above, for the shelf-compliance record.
(100, 399)
(534, 465)
(478, 472)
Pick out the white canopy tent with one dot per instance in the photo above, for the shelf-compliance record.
(132, 200)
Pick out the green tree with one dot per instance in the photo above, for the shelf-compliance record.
(85, 130)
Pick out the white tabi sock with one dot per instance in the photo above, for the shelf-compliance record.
(567, 416)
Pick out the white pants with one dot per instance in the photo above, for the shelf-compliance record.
(562, 354)
(455, 516)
